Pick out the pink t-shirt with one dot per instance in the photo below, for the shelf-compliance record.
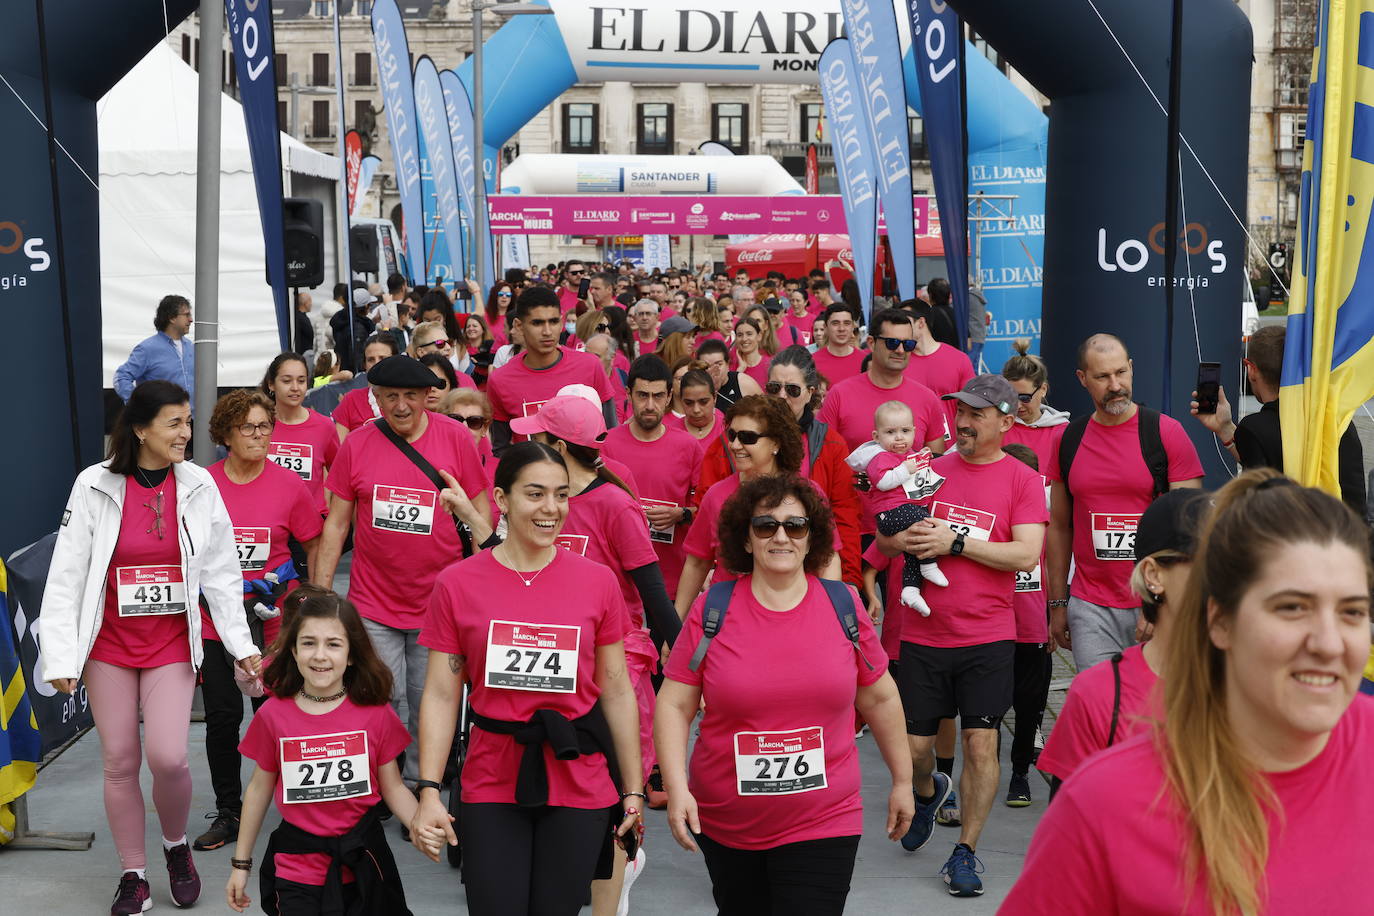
(944, 372)
(673, 421)
(1086, 720)
(892, 610)
(356, 408)
(644, 347)
(1032, 620)
(667, 470)
(144, 623)
(880, 500)
(402, 536)
(702, 542)
(1043, 440)
(985, 501)
(801, 326)
(516, 390)
(481, 608)
(779, 689)
(309, 754)
(1111, 487)
(759, 371)
(307, 448)
(266, 512)
(606, 524)
(1113, 840)
(838, 368)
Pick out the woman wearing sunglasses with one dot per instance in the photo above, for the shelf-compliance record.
(499, 301)
(772, 797)
(762, 440)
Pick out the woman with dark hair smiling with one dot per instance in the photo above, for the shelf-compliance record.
(303, 441)
(772, 799)
(499, 301)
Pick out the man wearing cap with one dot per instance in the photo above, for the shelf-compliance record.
(518, 388)
(839, 359)
(941, 368)
(1097, 505)
(987, 521)
(349, 343)
(402, 535)
(644, 319)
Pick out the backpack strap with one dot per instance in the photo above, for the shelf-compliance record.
(725, 447)
(1152, 450)
(815, 441)
(712, 619)
(421, 462)
(1116, 698)
(1068, 447)
(847, 612)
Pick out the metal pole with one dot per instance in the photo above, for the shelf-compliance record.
(345, 268)
(207, 225)
(1171, 198)
(482, 228)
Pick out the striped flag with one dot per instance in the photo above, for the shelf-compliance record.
(1328, 364)
(20, 743)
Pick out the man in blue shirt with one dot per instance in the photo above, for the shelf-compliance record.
(167, 355)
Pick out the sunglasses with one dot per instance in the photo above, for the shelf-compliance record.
(744, 436)
(602, 328)
(1025, 398)
(441, 343)
(476, 421)
(894, 343)
(765, 526)
(505, 294)
(793, 391)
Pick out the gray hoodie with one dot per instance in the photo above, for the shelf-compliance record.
(1048, 417)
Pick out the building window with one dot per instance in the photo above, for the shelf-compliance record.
(364, 8)
(654, 127)
(320, 126)
(811, 122)
(186, 48)
(231, 71)
(981, 45)
(279, 65)
(283, 116)
(916, 131)
(730, 125)
(319, 69)
(362, 110)
(362, 69)
(581, 127)
(322, 8)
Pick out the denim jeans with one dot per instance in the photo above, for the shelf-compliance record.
(401, 652)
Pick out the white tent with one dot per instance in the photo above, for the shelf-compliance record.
(147, 135)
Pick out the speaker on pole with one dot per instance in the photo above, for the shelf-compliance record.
(303, 241)
(362, 249)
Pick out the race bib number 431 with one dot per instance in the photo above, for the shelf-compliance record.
(974, 523)
(403, 509)
(324, 767)
(148, 591)
(1114, 535)
(780, 763)
(532, 656)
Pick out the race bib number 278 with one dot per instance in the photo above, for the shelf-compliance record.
(324, 767)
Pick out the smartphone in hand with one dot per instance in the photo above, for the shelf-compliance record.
(583, 287)
(1208, 387)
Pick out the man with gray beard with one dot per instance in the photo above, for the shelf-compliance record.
(1108, 468)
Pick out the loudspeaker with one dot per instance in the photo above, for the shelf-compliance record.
(303, 241)
(362, 249)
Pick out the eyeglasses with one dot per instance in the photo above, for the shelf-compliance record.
(476, 421)
(744, 436)
(441, 343)
(1025, 398)
(894, 343)
(248, 429)
(793, 391)
(602, 328)
(765, 526)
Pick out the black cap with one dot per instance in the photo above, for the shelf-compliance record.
(774, 304)
(675, 325)
(1172, 522)
(401, 372)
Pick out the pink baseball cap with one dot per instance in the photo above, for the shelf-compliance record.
(568, 417)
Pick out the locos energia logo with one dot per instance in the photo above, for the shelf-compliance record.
(13, 240)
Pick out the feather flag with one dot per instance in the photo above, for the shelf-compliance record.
(20, 743)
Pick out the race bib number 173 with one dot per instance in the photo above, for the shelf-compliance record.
(1114, 535)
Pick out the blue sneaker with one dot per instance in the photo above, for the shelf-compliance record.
(923, 824)
(961, 873)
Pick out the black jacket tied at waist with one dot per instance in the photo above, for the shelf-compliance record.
(568, 738)
(363, 849)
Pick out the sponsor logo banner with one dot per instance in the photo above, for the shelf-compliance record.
(398, 98)
(855, 163)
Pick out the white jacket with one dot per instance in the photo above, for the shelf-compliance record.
(74, 599)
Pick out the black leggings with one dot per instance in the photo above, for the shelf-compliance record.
(529, 861)
(810, 878)
(223, 717)
(897, 520)
(1029, 695)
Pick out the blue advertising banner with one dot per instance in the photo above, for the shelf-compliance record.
(398, 95)
(854, 161)
(439, 266)
(875, 42)
(433, 118)
(935, 42)
(250, 30)
(458, 107)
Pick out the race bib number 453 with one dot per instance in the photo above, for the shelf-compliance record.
(293, 457)
(532, 656)
(403, 509)
(1114, 535)
(780, 763)
(324, 767)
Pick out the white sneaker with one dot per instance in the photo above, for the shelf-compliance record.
(911, 597)
(632, 872)
(933, 575)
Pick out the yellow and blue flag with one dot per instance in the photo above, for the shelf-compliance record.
(20, 743)
(1328, 360)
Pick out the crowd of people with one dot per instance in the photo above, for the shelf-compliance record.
(593, 509)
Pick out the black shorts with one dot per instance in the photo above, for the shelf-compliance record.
(973, 682)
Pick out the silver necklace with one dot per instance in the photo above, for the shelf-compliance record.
(329, 699)
(530, 581)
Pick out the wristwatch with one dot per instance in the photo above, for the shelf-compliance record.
(427, 784)
(686, 515)
(957, 547)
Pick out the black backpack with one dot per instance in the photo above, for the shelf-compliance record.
(1151, 449)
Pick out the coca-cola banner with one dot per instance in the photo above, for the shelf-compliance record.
(630, 215)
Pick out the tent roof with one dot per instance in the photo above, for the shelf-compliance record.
(147, 125)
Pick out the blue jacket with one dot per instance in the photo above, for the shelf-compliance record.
(156, 358)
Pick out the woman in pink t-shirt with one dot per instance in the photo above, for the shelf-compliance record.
(302, 441)
(538, 634)
(1247, 798)
(772, 799)
(749, 356)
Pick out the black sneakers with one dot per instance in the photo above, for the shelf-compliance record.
(224, 828)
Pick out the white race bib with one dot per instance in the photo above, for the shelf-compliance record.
(293, 457)
(148, 591)
(403, 509)
(253, 546)
(324, 767)
(975, 524)
(1028, 581)
(660, 535)
(532, 656)
(531, 408)
(1114, 535)
(780, 763)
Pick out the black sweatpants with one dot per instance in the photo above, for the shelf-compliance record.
(529, 861)
(1029, 695)
(223, 719)
(295, 899)
(810, 878)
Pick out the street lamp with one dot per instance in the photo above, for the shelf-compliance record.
(480, 192)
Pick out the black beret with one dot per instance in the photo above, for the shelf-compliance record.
(401, 372)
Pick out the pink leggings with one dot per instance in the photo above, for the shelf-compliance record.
(164, 694)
